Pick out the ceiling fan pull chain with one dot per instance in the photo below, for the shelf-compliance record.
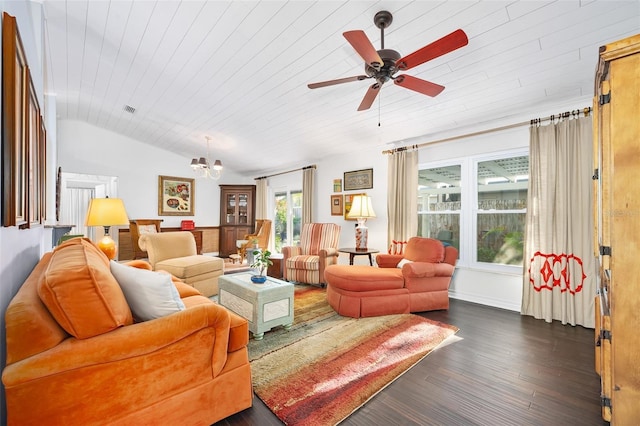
(379, 103)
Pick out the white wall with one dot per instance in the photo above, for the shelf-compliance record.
(87, 149)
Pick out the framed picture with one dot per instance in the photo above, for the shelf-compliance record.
(358, 179)
(337, 185)
(336, 205)
(15, 202)
(175, 196)
(348, 199)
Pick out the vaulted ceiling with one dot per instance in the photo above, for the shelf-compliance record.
(237, 71)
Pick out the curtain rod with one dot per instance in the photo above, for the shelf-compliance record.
(313, 166)
(531, 122)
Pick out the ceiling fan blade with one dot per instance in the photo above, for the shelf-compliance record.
(418, 85)
(337, 81)
(369, 97)
(361, 43)
(446, 44)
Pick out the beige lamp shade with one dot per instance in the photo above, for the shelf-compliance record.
(361, 208)
(107, 212)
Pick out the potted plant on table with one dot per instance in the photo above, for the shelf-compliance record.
(261, 262)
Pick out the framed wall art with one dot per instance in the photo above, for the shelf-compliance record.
(337, 185)
(348, 199)
(336, 205)
(358, 179)
(176, 196)
(23, 136)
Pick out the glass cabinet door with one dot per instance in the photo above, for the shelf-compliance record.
(243, 206)
(231, 209)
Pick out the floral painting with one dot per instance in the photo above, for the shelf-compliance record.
(175, 196)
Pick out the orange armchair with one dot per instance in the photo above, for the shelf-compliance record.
(318, 249)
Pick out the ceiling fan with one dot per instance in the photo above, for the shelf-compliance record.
(383, 64)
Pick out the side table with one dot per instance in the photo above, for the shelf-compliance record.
(353, 252)
(275, 270)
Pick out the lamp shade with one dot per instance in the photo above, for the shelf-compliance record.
(106, 212)
(361, 208)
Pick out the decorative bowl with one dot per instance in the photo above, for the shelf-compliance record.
(258, 279)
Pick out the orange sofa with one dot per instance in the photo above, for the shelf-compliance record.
(420, 283)
(75, 356)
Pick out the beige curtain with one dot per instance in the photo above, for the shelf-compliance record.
(308, 193)
(402, 196)
(559, 268)
(262, 199)
(262, 203)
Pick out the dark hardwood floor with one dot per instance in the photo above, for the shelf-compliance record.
(503, 369)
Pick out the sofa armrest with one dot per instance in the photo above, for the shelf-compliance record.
(151, 345)
(326, 257)
(328, 252)
(290, 251)
(427, 270)
(388, 260)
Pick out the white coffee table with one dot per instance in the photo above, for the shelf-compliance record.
(264, 306)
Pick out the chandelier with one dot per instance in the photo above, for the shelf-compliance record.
(202, 167)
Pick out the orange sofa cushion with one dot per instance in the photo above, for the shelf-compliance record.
(80, 291)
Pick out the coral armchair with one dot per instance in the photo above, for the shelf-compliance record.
(318, 249)
(427, 267)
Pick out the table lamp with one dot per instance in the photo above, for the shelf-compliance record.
(107, 212)
(361, 210)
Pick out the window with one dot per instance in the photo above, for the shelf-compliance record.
(501, 209)
(288, 217)
(439, 204)
(478, 205)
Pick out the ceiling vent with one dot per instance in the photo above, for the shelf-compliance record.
(129, 109)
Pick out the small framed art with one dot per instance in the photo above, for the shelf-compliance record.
(175, 196)
(358, 179)
(337, 185)
(336, 205)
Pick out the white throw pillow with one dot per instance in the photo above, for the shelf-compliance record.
(403, 262)
(149, 294)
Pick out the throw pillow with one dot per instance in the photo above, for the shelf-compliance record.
(80, 291)
(150, 294)
(403, 262)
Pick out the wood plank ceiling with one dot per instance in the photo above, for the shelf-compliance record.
(237, 70)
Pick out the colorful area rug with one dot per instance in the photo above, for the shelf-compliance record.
(327, 366)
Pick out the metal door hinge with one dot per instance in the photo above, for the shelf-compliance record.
(605, 251)
(605, 99)
(605, 402)
(596, 174)
(604, 335)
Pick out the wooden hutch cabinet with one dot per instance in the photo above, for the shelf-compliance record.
(237, 215)
(617, 218)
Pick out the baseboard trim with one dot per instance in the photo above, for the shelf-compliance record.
(488, 301)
